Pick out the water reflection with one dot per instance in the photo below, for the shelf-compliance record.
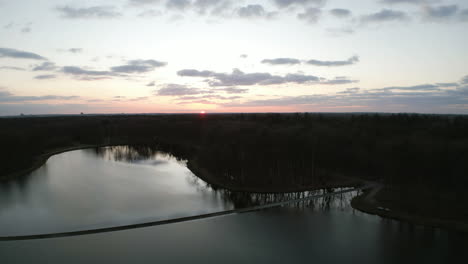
(100, 187)
(147, 155)
(128, 184)
(136, 154)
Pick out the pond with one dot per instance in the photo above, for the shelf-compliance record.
(93, 188)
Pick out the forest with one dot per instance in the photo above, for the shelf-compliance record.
(266, 152)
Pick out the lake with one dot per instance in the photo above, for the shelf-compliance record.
(94, 188)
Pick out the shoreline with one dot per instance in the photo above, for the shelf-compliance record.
(367, 204)
(364, 202)
(206, 176)
(40, 160)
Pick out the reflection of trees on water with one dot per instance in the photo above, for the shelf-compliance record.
(134, 154)
(146, 154)
(244, 199)
(249, 199)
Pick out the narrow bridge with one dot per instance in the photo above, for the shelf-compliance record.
(176, 220)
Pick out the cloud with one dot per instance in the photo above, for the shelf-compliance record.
(9, 25)
(150, 84)
(417, 98)
(233, 90)
(177, 4)
(45, 77)
(88, 12)
(177, 90)
(75, 50)
(422, 87)
(26, 30)
(202, 101)
(143, 2)
(136, 99)
(350, 91)
(447, 84)
(45, 66)
(46, 108)
(244, 56)
(209, 96)
(251, 11)
(150, 13)
(239, 78)
(440, 12)
(132, 66)
(19, 54)
(195, 73)
(11, 68)
(138, 66)
(310, 15)
(465, 80)
(464, 15)
(10, 98)
(405, 1)
(288, 3)
(385, 15)
(340, 31)
(338, 81)
(88, 75)
(350, 61)
(340, 12)
(281, 61)
(216, 7)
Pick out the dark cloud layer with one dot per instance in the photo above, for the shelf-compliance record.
(288, 3)
(143, 2)
(292, 61)
(350, 61)
(177, 90)
(45, 77)
(74, 70)
(281, 61)
(178, 4)
(340, 12)
(233, 90)
(385, 15)
(338, 81)
(465, 80)
(251, 11)
(88, 12)
(310, 15)
(10, 98)
(19, 54)
(12, 68)
(75, 50)
(132, 67)
(404, 1)
(195, 73)
(440, 12)
(239, 78)
(436, 97)
(45, 66)
(138, 66)
(433, 101)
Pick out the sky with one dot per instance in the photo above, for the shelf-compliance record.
(187, 56)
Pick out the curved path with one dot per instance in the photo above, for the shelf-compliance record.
(174, 220)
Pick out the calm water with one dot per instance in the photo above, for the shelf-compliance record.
(89, 188)
(96, 188)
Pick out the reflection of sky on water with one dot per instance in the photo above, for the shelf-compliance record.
(77, 190)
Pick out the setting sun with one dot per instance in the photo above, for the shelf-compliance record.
(202, 112)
